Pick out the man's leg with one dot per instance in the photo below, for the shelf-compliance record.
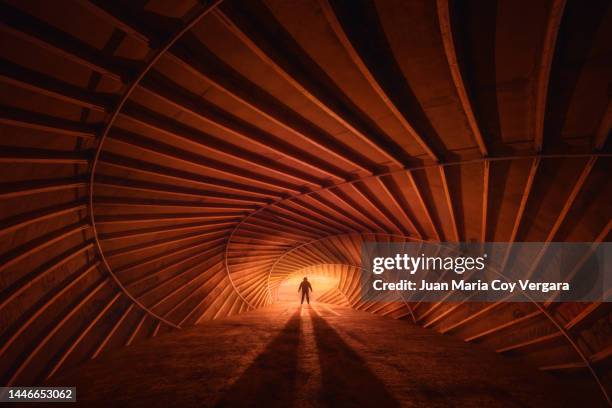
(302, 302)
(307, 297)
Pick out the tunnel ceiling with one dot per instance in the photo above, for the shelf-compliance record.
(167, 163)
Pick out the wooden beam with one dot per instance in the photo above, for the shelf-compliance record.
(10, 225)
(112, 14)
(33, 81)
(14, 155)
(12, 293)
(360, 62)
(136, 329)
(158, 188)
(49, 38)
(603, 130)
(548, 52)
(485, 200)
(530, 343)
(38, 244)
(584, 174)
(49, 334)
(238, 128)
(169, 151)
(504, 326)
(209, 68)
(449, 202)
(446, 31)
(210, 144)
(521, 210)
(33, 187)
(45, 306)
(82, 335)
(421, 200)
(341, 114)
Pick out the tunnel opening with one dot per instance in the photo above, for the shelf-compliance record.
(324, 286)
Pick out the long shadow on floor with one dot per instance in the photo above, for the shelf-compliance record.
(346, 379)
(270, 379)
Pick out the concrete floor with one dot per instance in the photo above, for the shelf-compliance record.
(321, 355)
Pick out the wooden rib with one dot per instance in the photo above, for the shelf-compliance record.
(112, 331)
(193, 17)
(146, 218)
(182, 286)
(136, 329)
(571, 198)
(290, 121)
(446, 32)
(123, 202)
(167, 268)
(568, 203)
(317, 213)
(532, 342)
(303, 89)
(603, 130)
(392, 192)
(266, 105)
(548, 52)
(485, 201)
(23, 220)
(449, 203)
(130, 234)
(156, 330)
(40, 156)
(600, 238)
(43, 242)
(212, 257)
(578, 365)
(370, 77)
(521, 210)
(380, 211)
(160, 257)
(43, 308)
(471, 317)
(37, 121)
(151, 187)
(179, 155)
(82, 335)
(58, 42)
(504, 326)
(161, 243)
(21, 189)
(365, 217)
(340, 212)
(110, 13)
(36, 82)
(31, 281)
(581, 318)
(240, 129)
(202, 140)
(49, 334)
(423, 205)
(601, 355)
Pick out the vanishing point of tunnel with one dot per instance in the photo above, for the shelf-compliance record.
(170, 171)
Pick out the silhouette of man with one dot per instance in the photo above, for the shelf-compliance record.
(305, 288)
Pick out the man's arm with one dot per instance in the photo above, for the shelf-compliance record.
(310, 286)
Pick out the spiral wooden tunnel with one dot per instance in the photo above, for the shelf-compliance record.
(168, 163)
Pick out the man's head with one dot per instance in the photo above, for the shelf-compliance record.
(305, 278)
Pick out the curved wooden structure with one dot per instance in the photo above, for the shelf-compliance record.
(164, 164)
